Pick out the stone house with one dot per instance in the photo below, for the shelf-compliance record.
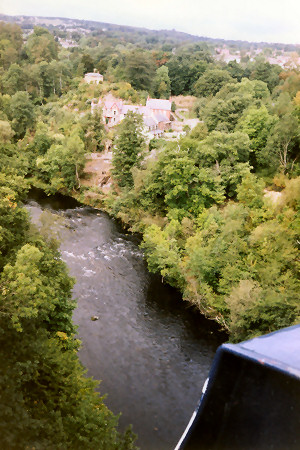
(156, 113)
(112, 110)
(93, 77)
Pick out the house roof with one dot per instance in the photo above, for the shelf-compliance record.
(161, 118)
(93, 74)
(143, 110)
(109, 104)
(126, 108)
(155, 103)
(149, 121)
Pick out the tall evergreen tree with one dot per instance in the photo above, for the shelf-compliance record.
(128, 151)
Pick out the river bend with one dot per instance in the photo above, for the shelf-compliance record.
(150, 350)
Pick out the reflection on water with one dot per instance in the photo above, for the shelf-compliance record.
(151, 352)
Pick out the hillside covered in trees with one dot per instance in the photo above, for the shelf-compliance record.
(248, 140)
(218, 208)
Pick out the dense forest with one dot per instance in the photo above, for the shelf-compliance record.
(218, 208)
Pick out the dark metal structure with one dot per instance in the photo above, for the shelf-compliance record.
(252, 398)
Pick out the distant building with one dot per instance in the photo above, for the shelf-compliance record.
(93, 77)
(67, 43)
(159, 107)
(112, 111)
(156, 113)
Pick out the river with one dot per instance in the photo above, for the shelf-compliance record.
(151, 351)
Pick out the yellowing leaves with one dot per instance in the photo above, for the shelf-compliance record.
(297, 98)
(63, 336)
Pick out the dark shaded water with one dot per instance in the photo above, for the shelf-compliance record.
(151, 352)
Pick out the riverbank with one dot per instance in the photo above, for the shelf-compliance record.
(217, 258)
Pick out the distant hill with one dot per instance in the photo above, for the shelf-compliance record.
(90, 26)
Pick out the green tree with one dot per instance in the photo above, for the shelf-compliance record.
(48, 402)
(227, 155)
(211, 82)
(41, 46)
(226, 108)
(282, 147)
(60, 73)
(14, 79)
(22, 113)
(10, 43)
(241, 266)
(163, 254)
(257, 123)
(140, 69)
(128, 149)
(177, 185)
(256, 88)
(42, 140)
(189, 63)
(199, 132)
(13, 219)
(25, 292)
(94, 131)
(291, 82)
(88, 63)
(266, 72)
(235, 70)
(5, 101)
(46, 81)
(255, 310)
(13, 160)
(250, 191)
(62, 164)
(213, 260)
(162, 85)
(6, 132)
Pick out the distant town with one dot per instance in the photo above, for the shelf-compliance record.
(71, 31)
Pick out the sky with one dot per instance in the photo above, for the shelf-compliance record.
(252, 20)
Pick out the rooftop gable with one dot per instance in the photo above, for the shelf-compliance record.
(158, 103)
(113, 104)
(93, 74)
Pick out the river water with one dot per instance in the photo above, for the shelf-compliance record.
(151, 351)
